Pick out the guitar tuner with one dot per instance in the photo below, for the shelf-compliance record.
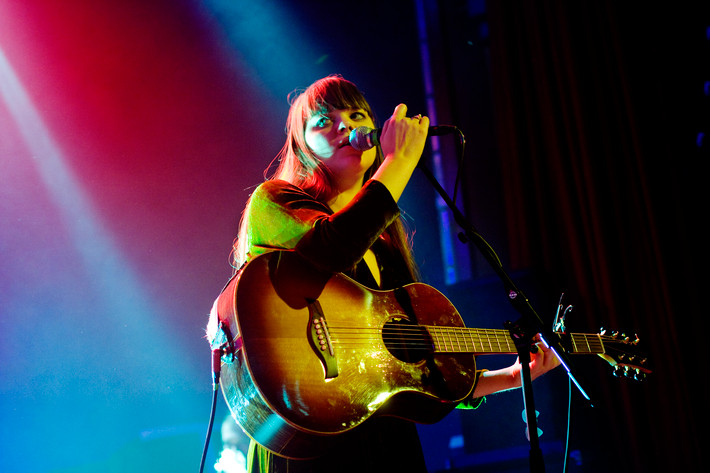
(636, 374)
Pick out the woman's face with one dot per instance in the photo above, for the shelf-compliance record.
(327, 135)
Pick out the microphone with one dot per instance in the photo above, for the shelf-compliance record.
(363, 138)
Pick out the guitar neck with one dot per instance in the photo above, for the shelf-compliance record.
(498, 341)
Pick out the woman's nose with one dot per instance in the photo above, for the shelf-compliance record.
(346, 126)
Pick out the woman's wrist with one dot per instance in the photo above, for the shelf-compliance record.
(395, 173)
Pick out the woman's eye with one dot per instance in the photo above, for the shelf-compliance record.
(358, 115)
(322, 121)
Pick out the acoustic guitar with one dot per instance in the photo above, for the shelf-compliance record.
(309, 357)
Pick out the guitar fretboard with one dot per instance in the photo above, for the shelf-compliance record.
(465, 340)
(586, 343)
(482, 341)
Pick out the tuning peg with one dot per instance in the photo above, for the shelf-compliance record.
(621, 371)
(636, 374)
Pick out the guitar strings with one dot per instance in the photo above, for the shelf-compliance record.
(455, 339)
(451, 339)
(447, 339)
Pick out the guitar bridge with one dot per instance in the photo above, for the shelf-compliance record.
(319, 337)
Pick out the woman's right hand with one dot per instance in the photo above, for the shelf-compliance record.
(404, 137)
(402, 141)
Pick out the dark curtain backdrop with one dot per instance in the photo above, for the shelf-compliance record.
(597, 107)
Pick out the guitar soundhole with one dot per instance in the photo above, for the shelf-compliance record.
(406, 340)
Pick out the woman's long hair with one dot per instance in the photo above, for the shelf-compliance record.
(298, 165)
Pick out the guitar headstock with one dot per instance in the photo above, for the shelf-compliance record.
(623, 353)
(619, 350)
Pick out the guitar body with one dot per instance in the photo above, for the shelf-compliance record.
(314, 364)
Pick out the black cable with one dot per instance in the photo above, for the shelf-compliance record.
(209, 430)
(216, 368)
(460, 149)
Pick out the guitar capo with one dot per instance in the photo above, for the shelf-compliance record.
(558, 326)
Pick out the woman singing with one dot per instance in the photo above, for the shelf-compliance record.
(337, 208)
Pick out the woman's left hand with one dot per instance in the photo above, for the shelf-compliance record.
(542, 360)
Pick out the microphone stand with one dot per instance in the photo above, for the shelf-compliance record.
(522, 331)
